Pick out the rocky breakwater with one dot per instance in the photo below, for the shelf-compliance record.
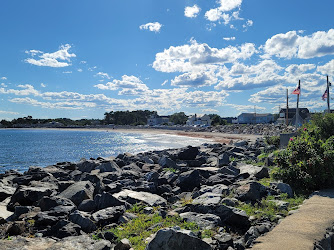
(64, 205)
(251, 129)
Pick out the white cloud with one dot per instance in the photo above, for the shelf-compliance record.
(24, 90)
(3, 85)
(8, 112)
(155, 27)
(103, 75)
(195, 79)
(245, 108)
(327, 69)
(197, 57)
(209, 110)
(92, 68)
(58, 59)
(219, 13)
(3, 78)
(129, 85)
(80, 70)
(43, 85)
(83, 62)
(67, 72)
(192, 12)
(232, 38)
(164, 83)
(291, 44)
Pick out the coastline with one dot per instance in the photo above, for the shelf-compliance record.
(213, 136)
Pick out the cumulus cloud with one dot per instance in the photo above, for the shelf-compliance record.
(8, 112)
(219, 13)
(192, 12)
(154, 27)
(195, 79)
(327, 69)
(195, 56)
(293, 45)
(129, 85)
(3, 78)
(58, 59)
(43, 85)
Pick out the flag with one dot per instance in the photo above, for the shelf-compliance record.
(324, 96)
(296, 91)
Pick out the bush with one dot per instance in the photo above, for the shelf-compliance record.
(307, 164)
(273, 140)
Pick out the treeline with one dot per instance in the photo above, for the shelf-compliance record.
(138, 117)
(60, 122)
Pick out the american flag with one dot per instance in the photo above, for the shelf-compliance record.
(324, 96)
(296, 91)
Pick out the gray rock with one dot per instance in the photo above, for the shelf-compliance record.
(166, 162)
(109, 166)
(64, 228)
(87, 205)
(105, 200)
(229, 170)
(187, 181)
(83, 220)
(188, 153)
(124, 244)
(205, 221)
(47, 203)
(172, 239)
(284, 188)
(86, 165)
(108, 215)
(5, 191)
(82, 242)
(30, 195)
(251, 169)
(78, 192)
(208, 199)
(217, 189)
(224, 241)
(231, 202)
(223, 160)
(241, 143)
(136, 197)
(252, 191)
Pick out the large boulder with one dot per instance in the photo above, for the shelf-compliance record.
(173, 239)
(78, 192)
(144, 197)
(207, 199)
(166, 162)
(187, 181)
(108, 166)
(108, 215)
(5, 191)
(47, 203)
(83, 220)
(206, 221)
(105, 200)
(30, 195)
(223, 159)
(188, 153)
(252, 191)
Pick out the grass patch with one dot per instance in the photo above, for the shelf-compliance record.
(144, 225)
(268, 209)
(173, 170)
(265, 182)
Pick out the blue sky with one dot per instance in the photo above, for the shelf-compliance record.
(80, 58)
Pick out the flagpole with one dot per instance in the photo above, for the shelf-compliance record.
(287, 108)
(297, 111)
(328, 108)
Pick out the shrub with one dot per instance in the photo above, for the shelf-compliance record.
(273, 140)
(307, 164)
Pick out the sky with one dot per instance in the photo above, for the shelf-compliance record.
(81, 58)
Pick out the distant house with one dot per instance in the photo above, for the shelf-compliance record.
(304, 115)
(199, 120)
(254, 118)
(155, 120)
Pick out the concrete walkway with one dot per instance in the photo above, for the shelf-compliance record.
(303, 228)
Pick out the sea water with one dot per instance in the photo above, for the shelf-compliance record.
(21, 148)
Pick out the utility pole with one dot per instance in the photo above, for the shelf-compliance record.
(287, 108)
(297, 110)
(328, 107)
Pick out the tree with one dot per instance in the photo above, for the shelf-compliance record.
(178, 118)
(217, 120)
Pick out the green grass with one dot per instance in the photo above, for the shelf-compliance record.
(142, 227)
(173, 170)
(268, 209)
(265, 182)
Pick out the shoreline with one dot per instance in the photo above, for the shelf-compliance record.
(213, 136)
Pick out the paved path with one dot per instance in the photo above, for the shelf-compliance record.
(303, 228)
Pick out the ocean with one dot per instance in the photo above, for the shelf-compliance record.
(22, 148)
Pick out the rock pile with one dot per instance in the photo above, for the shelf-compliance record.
(254, 129)
(66, 203)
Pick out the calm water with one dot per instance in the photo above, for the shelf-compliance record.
(20, 149)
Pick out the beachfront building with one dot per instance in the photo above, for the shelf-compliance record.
(304, 115)
(199, 120)
(156, 120)
(254, 118)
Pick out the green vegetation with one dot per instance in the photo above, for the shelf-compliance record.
(173, 170)
(307, 164)
(178, 118)
(138, 117)
(140, 228)
(217, 120)
(272, 140)
(268, 209)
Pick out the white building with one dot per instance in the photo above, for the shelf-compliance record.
(254, 118)
(155, 120)
(199, 120)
